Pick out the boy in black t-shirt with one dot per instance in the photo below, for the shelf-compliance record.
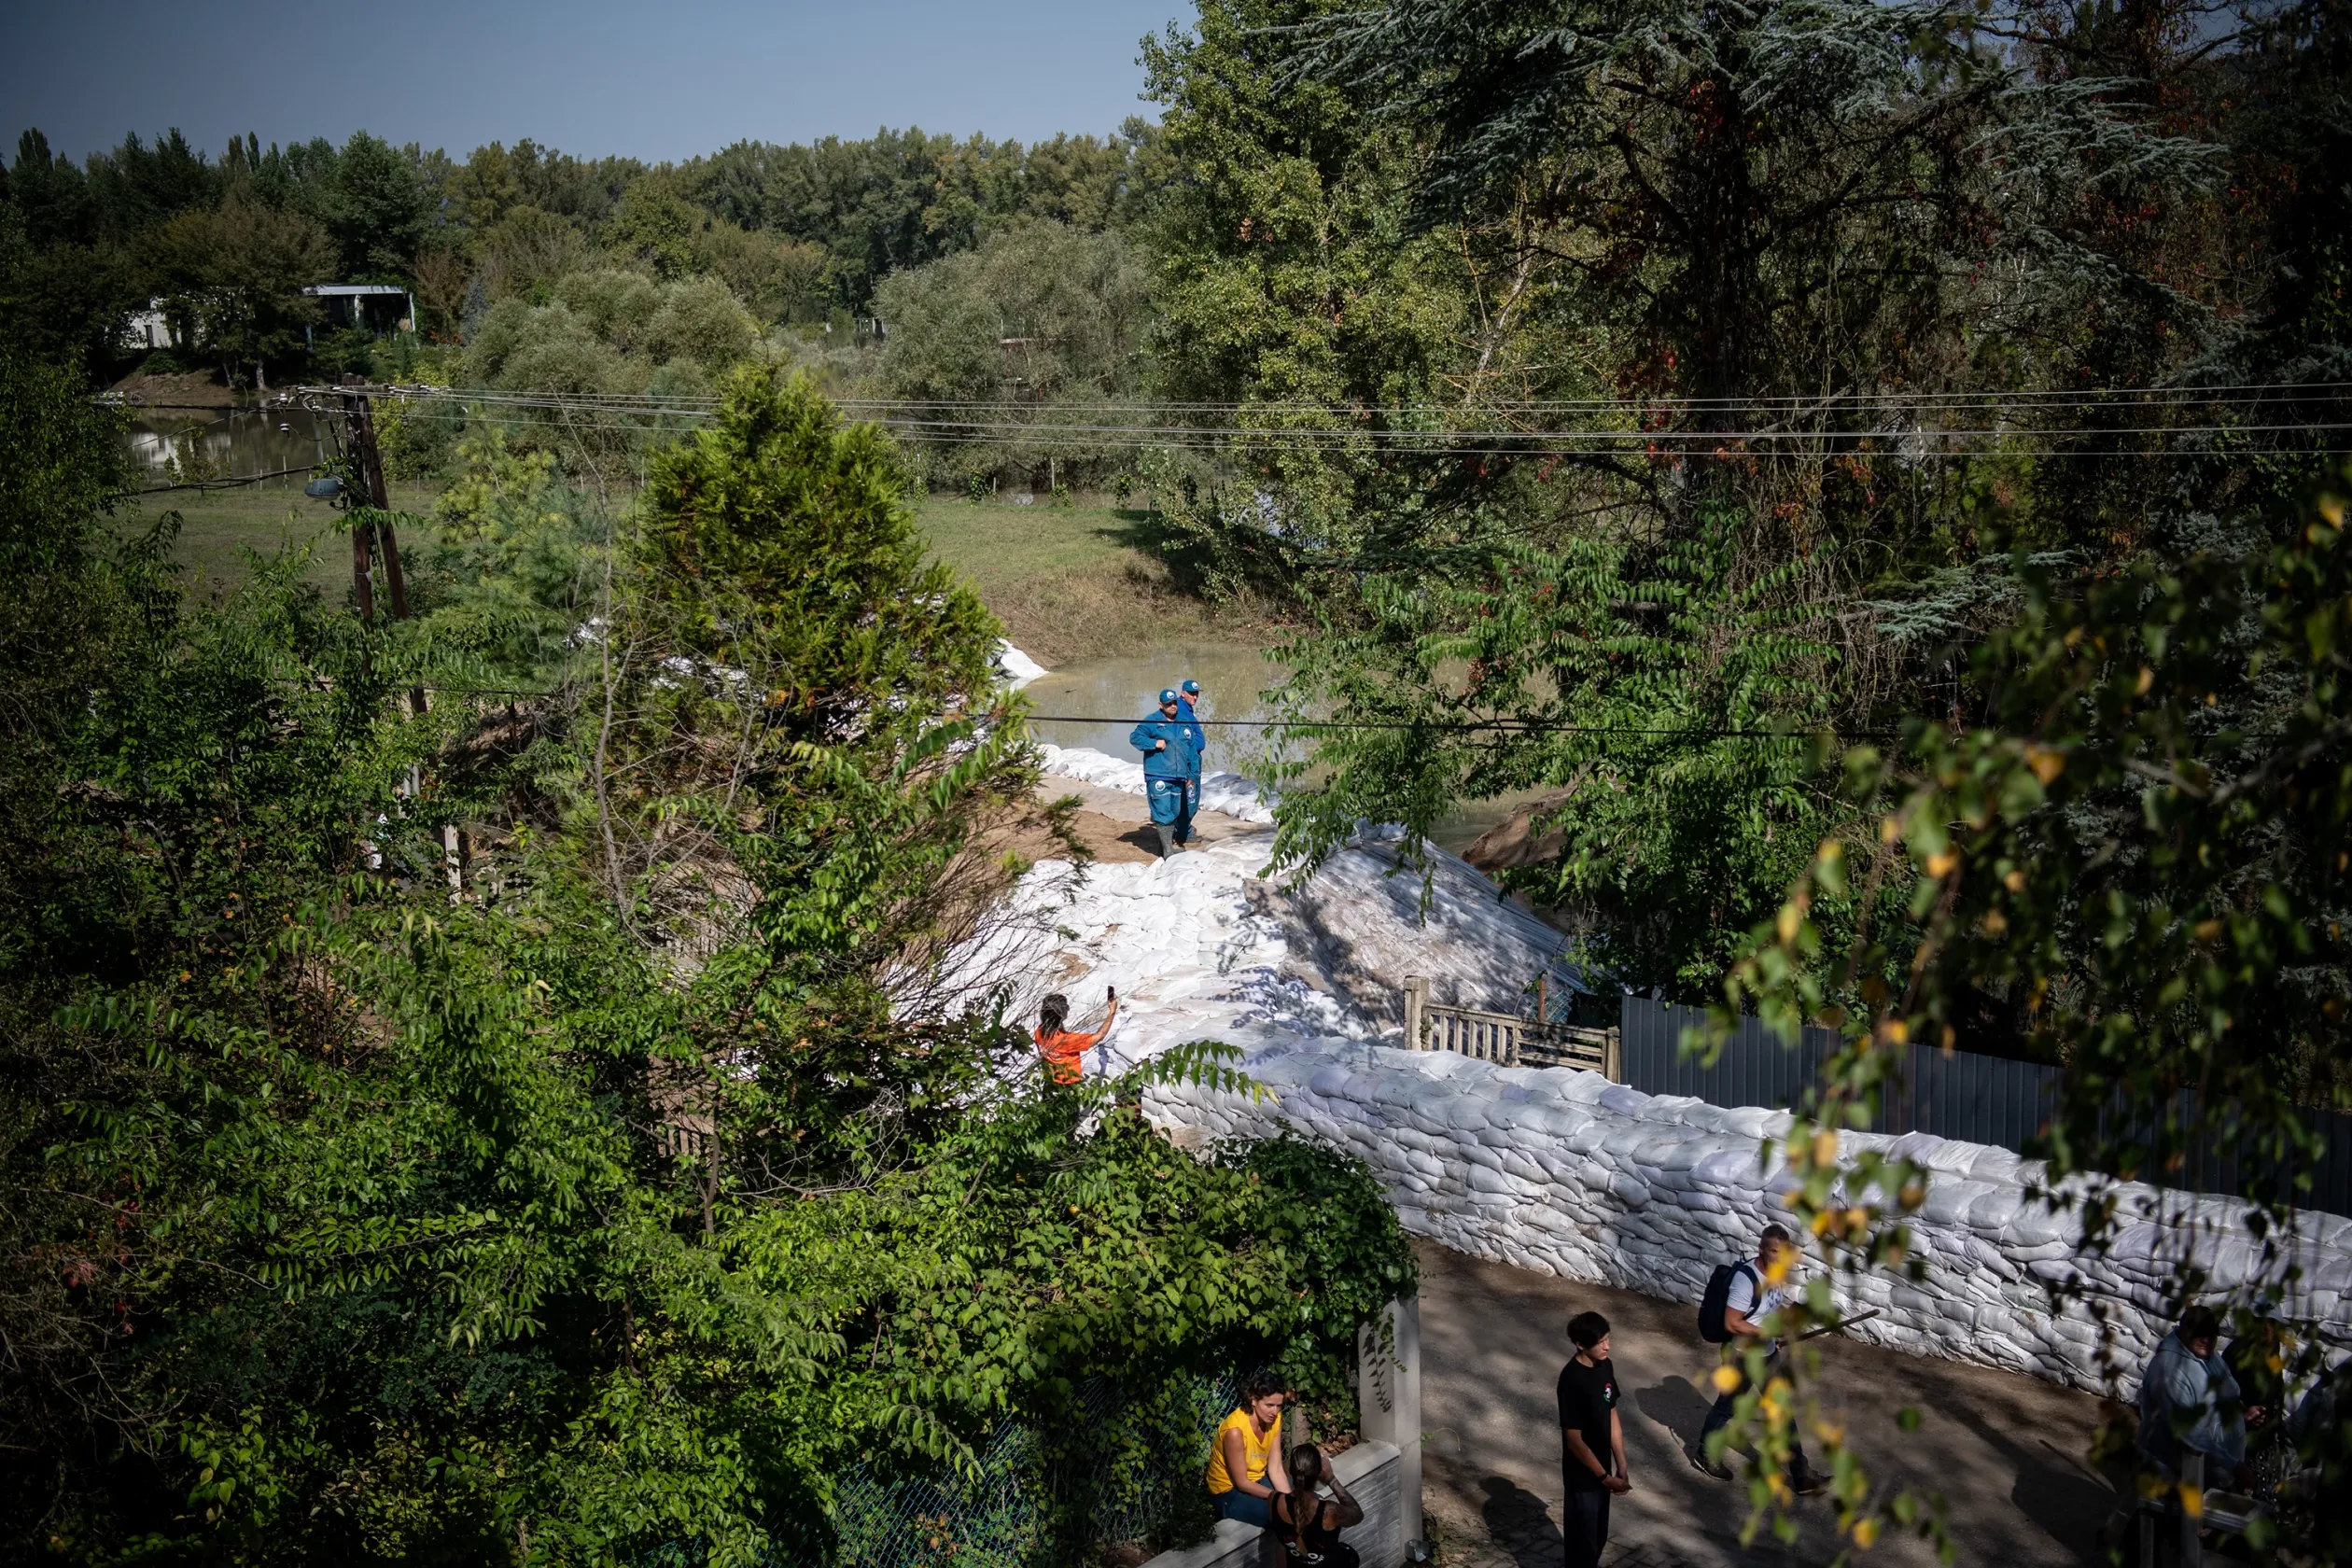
(1592, 1443)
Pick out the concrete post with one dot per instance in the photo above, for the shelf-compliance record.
(1416, 998)
(1388, 1401)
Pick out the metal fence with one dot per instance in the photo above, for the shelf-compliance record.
(1963, 1096)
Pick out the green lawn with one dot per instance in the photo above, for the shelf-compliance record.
(996, 545)
(217, 526)
(1069, 582)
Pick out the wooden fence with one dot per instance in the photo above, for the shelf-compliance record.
(1506, 1039)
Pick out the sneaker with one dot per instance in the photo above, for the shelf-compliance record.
(1811, 1482)
(1697, 1454)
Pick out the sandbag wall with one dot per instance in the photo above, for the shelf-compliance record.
(1561, 1170)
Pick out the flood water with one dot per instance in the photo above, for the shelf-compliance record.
(1110, 695)
(1101, 699)
(182, 446)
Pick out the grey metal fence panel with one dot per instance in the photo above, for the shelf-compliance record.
(1960, 1095)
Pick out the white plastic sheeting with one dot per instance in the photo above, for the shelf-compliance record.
(1017, 667)
(1551, 1168)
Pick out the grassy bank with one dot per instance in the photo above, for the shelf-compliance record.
(1073, 583)
(218, 527)
(1069, 583)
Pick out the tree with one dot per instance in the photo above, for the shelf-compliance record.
(377, 210)
(1039, 326)
(1287, 286)
(1771, 232)
(234, 277)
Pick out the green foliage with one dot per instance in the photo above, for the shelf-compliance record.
(903, 198)
(1288, 286)
(1671, 705)
(574, 1217)
(233, 278)
(1038, 326)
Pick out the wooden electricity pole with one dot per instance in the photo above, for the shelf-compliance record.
(360, 421)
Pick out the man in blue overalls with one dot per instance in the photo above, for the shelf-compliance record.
(1187, 694)
(1169, 762)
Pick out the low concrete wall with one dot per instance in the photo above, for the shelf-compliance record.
(1373, 1472)
(1562, 1172)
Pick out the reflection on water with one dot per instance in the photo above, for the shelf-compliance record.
(182, 446)
(1112, 693)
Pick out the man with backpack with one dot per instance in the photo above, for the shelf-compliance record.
(1739, 1298)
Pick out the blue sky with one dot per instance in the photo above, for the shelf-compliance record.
(590, 76)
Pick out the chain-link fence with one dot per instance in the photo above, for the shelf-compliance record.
(1123, 1465)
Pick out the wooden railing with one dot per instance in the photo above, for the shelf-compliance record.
(1506, 1039)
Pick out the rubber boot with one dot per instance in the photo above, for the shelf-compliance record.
(1167, 838)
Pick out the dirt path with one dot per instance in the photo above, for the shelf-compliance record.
(1117, 826)
(2005, 1452)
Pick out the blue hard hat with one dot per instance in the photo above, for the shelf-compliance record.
(1193, 686)
(1168, 696)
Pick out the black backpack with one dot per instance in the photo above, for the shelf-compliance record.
(1719, 1297)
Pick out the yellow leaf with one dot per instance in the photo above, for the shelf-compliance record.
(1941, 861)
(1889, 830)
(1790, 918)
(2192, 1501)
(2046, 762)
(1825, 1147)
(1866, 1533)
(2331, 508)
(2146, 679)
(1727, 1380)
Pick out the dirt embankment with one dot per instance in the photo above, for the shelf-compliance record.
(181, 389)
(1104, 609)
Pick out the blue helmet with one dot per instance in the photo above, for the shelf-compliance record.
(1192, 688)
(1168, 696)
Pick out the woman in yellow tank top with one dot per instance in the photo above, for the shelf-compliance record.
(1245, 1466)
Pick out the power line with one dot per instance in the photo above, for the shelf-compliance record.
(1709, 445)
(1072, 429)
(676, 402)
(1525, 726)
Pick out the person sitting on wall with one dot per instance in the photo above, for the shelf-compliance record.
(1061, 1048)
(1245, 1467)
(2189, 1400)
(1307, 1524)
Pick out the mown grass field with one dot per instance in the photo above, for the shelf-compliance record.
(218, 527)
(1069, 582)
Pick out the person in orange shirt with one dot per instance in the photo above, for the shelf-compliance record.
(1059, 1046)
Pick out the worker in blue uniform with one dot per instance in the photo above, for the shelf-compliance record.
(1169, 762)
(1187, 694)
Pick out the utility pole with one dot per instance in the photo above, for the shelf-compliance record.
(359, 416)
(359, 424)
(362, 529)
